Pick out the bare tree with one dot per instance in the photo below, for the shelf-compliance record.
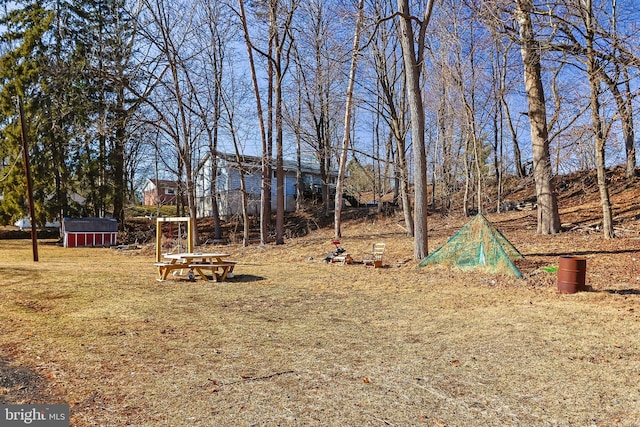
(590, 48)
(593, 73)
(171, 30)
(229, 105)
(347, 122)
(215, 41)
(277, 54)
(320, 54)
(503, 64)
(548, 215)
(390, 84)
(281, 37)
(265, 188)
(623, 98)
(464, 76)
(413, 63)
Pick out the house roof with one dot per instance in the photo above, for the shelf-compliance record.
(164, 183)
(288, 165)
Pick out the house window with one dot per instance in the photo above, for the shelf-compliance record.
(170, 191)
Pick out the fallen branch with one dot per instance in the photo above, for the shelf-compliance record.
(245, 379)
(625, 230)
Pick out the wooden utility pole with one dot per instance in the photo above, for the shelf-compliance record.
(27, 173)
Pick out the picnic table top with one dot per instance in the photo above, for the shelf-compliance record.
(192, 255)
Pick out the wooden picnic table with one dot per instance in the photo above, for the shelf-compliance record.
(221, 268)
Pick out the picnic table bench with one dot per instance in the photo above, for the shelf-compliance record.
(220, 267)
(219, 270)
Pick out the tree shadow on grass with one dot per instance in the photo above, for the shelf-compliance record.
(578, 253)
(623, 291)
(245, 278)
(237, 278)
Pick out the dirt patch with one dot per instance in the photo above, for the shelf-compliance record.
(20, 385)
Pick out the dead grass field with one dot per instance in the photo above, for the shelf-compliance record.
(293, 341)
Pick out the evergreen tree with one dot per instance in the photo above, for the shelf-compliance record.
(22, 63)
(105, 34)
(70, 61)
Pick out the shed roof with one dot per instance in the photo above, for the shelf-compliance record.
(89, 225)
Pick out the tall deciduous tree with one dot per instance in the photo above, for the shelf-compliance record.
(281, 40)
(413, 63)
(265, 187)
(317, 45)
(347, 122)
(216, 38)
(390, 83)
(593, 73)
(171, 31)
(548, 216)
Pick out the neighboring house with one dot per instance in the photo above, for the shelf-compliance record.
(228, 185)
(159, 192)
(25, 222)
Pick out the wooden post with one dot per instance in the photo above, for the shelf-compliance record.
(158, 240)
(190, 235)
(27, 172)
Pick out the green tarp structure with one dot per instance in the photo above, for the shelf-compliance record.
(478, 245)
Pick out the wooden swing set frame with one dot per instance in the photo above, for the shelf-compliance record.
(190, 234)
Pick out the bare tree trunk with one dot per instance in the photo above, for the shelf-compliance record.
(280, 202)
(243, 189)
(594, 82)
(347, 123)
(299, 182)
(404, 186)
(212, 130)
(548, 216)
(413, 68)
(628, 129)
(278, 59)
(265, 188)
(269, 156)
(396, 118)
(625, 106)
(625, 110)
(467, 178)
(517, 155)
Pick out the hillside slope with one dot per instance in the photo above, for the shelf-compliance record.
(579, 199)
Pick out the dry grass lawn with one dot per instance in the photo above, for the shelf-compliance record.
(293, 341)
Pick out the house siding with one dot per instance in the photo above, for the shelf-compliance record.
(229, 194)
(160, 192)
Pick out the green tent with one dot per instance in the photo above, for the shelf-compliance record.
(477, 246)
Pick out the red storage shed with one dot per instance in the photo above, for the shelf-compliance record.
(89, 232)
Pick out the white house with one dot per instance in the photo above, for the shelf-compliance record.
(25, 222)
(228, 184)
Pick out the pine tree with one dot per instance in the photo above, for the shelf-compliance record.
(21, 75)
(105, 31)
